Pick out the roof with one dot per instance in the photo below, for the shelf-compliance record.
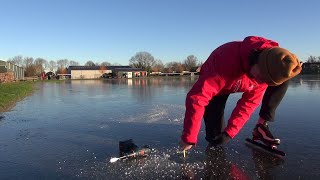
(84, 67)
(95, 67)
(117, 67)
(128, 69)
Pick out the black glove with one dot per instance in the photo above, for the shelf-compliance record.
(221, 139)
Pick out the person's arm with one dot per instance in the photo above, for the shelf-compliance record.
(245, 106)
(198, 97)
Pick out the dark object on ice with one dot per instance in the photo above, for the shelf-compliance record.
(126, 147)
(265, 147)
(142, 152)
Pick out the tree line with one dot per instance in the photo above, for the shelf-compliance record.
(147, 62)
(143, 60)
(312, 65)
(313, 59)
(34, 67)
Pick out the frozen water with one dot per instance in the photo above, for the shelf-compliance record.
(71, 130)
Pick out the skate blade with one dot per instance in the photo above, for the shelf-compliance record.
(267, 148)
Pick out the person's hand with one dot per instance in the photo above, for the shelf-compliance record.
(185, 146)
(221, 139)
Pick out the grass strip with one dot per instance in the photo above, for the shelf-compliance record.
(11, 93)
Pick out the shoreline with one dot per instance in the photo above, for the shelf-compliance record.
(12, 93)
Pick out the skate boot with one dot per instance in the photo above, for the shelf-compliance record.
(262, 133)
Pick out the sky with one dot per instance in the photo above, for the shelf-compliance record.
(170, 30)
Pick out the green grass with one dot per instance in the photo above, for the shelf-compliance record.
(10, 93)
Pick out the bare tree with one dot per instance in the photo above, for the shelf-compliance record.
(105, 63)
(142, 60)
(175, 67)
(158, 66)
(62, 71)
(313, 59)
(89, 63)
(30, 69)
(52, 65)
(17, 60)
(40, 65)
(190, 62)
(62, 66)
(73, 63)
(63, 63)
(27, 61)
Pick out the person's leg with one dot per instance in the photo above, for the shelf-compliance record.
(214, 116)
(270, 102)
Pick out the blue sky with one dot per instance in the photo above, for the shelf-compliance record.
(102, 30)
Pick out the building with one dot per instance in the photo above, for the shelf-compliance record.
(7, 67)
(129, 72)
(87, 72)
(93, 72)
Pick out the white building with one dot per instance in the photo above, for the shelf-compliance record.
(87, 72)
(92, 72)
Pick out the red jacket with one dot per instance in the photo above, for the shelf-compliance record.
(224, 72)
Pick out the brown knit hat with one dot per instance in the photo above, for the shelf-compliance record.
(278, 65)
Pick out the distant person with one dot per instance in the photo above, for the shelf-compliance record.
(43, 75)
(251, 66)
